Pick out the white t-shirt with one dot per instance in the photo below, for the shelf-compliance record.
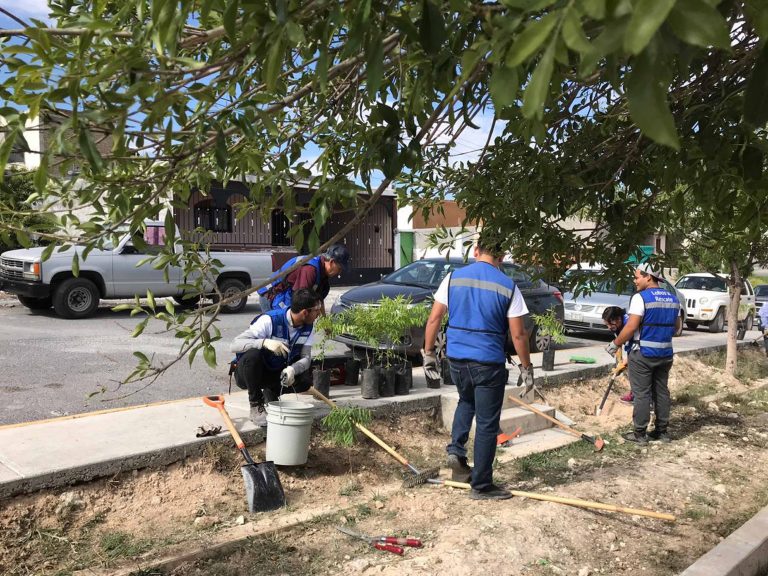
(516, 308)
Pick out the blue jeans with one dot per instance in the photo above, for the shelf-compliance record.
(481, 395)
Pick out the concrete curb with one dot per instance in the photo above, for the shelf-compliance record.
(743, 553)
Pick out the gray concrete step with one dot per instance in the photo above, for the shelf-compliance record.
(511, 418)
(450, 399)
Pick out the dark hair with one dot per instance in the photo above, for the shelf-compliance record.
(613, 312)
(490, 245)
(304, 299)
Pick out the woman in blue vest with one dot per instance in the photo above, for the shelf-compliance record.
(654, 317)
(275, 350)
(483, 306)
(313, 274)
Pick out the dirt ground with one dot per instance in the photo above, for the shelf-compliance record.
(712, 477)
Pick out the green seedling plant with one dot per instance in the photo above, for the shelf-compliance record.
(550, 326)
(340, 423)
(325, 328)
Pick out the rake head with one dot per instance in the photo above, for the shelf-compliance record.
(420, 478)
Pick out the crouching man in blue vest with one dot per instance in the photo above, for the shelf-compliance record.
(654, 317)
(483, 305)
(276, 351)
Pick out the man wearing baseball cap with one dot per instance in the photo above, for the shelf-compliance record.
(654, 317)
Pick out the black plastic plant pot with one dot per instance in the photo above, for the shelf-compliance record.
(352, 372)
(445, 372)
(548, 359)
(369, 383)
(404, 379)
(321, 380)
(387, 382)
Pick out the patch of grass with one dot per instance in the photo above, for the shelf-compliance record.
(750, 364)
(693, 393)
(696, 512)
(749, 404)
(350, 489)
(363, 511)
(122, 545)
(554, 462)
(222, 459)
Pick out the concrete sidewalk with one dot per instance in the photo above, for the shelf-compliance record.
(70, 449)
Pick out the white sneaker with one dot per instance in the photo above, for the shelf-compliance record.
(258, 418)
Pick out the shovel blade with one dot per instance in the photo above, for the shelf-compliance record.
(263, 489)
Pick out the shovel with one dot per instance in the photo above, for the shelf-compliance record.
(262, 484)
(614, 373)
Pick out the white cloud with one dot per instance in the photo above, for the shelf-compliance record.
(27, 8)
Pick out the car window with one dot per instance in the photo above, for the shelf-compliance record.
(518, 276)
(761, 290)
(425, 273)
(711, 283)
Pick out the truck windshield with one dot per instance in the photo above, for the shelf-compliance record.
(711, 283)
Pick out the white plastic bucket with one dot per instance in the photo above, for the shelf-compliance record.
(289, 425)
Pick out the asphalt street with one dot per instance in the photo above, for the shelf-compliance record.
(56, 367)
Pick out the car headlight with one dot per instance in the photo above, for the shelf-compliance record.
(703, 300)
(32, 270)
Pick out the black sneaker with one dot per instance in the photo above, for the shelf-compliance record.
(492, 493)
(460, 469)
(659, 436)
(640, 439)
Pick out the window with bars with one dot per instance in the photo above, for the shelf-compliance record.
(210, 217)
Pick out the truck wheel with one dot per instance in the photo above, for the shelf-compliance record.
(76, 298)
(719, 321)
(230, 287)
(679, 332)
(36, 303)
(749, 322)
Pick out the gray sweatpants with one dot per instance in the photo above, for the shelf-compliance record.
(648, 380)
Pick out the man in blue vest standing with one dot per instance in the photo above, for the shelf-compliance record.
(483, 306)
(275, 350)
(654, 317)
(314, 274)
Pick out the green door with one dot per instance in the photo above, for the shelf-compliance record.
(406, 248)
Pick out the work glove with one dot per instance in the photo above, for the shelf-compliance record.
(611, 348)
(287, 377)
(526, 377)
(276, 347)
(430, 365)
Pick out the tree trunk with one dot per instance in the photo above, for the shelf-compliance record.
(734, 285)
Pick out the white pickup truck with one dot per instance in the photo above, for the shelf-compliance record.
(112, 272)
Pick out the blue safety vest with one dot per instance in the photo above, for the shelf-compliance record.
(279, 292)
(478, 298)
(658, 324)
(280, 331)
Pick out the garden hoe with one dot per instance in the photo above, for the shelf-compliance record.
(596, 441)
(391, 451)
(262, 484)
(614, 373)
(416, 481)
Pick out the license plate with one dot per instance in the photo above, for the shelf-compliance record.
(576, 317)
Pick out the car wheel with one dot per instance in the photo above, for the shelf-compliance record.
(36, 303)
(749, 322)
(230, 287)
(186, 303)
(536, 342)
(680, 331)
(76, 298)
(691, 325)
(718, 322)
(440, 342)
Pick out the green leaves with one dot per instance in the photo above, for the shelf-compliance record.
(530, 40)
(503, 86)
(536, 92)
(697, 22)
(756, 96)
(648, 106)
(89, 150)
(647, 17)
(431, 28)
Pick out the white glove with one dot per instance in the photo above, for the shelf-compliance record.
(276, 347)
(611, 348)
(430, 365)
(526, 377)
(287, 377)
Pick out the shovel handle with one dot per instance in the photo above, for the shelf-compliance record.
(218, 402)
(391, 451)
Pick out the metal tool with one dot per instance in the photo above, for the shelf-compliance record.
(614, 373)
(263, 489)
(376, 542)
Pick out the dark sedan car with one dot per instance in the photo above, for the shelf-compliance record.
(419, 281)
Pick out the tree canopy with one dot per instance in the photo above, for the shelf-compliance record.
(608, 106)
